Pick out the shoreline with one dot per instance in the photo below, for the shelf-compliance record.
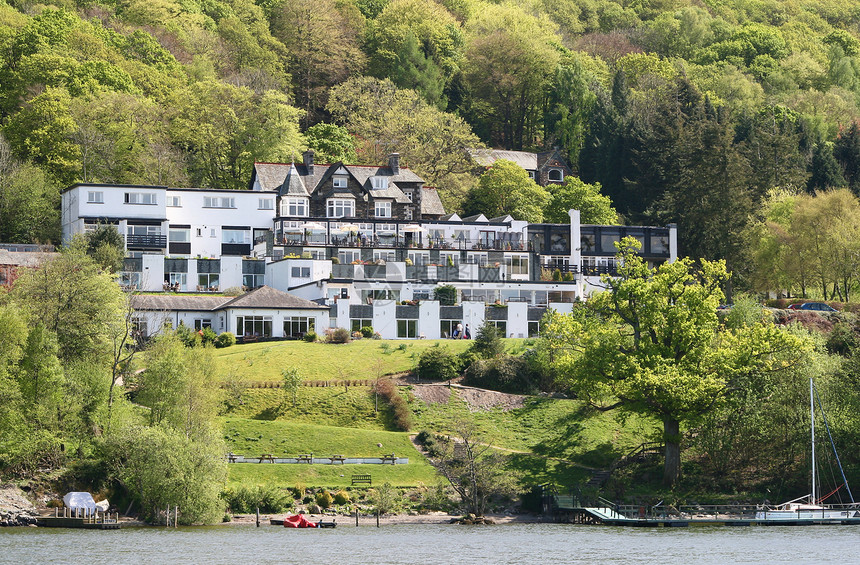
(385, 520)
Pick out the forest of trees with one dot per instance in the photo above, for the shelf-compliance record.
(685, 112)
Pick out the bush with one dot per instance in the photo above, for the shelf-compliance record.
(225, 339)
(488, 342)
(401, 415)
(335, 261)
(384, 498)
(323, 499)
(505, 374)
(341, 497)
(245, 499)
(366, 331)
(842, 340)
(445, 294)
(208, 336)
(310, 336)
(188, 336)
(337, 335)
(437, 363)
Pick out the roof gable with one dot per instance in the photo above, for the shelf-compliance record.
(268, 297)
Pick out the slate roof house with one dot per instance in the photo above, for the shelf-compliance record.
(546, 167)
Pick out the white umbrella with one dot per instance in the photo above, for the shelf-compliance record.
(350, 227)
(313, 226)
(412, 228)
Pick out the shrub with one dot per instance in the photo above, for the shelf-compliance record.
(337, 335)
(568, 276)
(341, 497)
(225, 339)
(366, 331)
(384, 498)
(245, 499)
(323, 499)
(437, 363)
(556, 275)
(188, 336)
(842, 340)
(445, 294)
(208, 336)
(310, 336)
(402, 417)
(488, 343)
(335, 261)
(233, 291)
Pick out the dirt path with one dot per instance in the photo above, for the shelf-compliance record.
(476, 398)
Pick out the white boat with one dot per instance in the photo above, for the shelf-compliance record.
(810, 507)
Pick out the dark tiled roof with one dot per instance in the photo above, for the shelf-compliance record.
(293, 185)
(26, 258)
(501, 219)
(475, 218)
(430, 203)
(268, 297)
(177, 302)
(486, 157)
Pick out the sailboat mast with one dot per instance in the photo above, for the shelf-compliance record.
(812, 418)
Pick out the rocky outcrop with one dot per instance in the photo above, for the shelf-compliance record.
(471, 519)
(15, 509)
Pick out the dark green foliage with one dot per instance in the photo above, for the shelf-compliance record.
(246, 499)
(366, 331)
(401, 416)
(225, 339)
(337, 335)
(488, 342)
(106, 246)
(208, 336)
(189, 336)
(825, 171)
(445, 294)
(332, 144)
(843, 339)
(323, 499)
(437, 364)
(310, 336)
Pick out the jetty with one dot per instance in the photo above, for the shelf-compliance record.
(75, 518)
(572, 509)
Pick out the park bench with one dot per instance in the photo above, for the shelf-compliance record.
(231, 457)
(340, 458)
(390, 458)
(361, 479)
(305, 458)
(267, 457)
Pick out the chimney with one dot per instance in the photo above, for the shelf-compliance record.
(308, 158)
(394, 163)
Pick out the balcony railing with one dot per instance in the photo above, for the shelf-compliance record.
(146, 241)
(400, 243)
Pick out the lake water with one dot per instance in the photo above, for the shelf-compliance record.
(432, 544)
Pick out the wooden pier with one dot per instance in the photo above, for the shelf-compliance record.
(77, 519)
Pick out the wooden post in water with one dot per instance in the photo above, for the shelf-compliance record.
(356, 516)
(167, 517)
(258, 516)
(175, 516)
(377, 518)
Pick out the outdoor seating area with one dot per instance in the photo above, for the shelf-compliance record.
(309, 459)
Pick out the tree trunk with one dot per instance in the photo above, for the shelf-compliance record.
(672, 465)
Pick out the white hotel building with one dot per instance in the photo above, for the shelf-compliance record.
(369, 244)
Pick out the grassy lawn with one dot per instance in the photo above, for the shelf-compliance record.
(558, 428)
(335, 406)
(253, 437)
(361, 359)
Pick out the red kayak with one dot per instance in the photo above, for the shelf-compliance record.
(298, 521)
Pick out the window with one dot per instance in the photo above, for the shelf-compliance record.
(340, 207)
(265, 204)
(347, 257)
(252, 280)
(179, 235)
(407, 328)
(200, 324)
(216, 202)
(379, 294)
(301, 272)
(447, 327)
(407, 214)
(338, 182)
(180, 279)
(139, 327)
(174, 201)
(501, 326)
(379, 183)
(382, 209)
(419, 258)
(235, 236)
(199, 232)
(130, 280)
(95, 197)
(295, 207)
(208, 282)
(534, 329)
(260, 326)
(132, 229)
(408, 194)
(358, 323)
(556, 175)
(147, 198)
(297, 326)
(386, 256)
(531, 175)
(517, 264)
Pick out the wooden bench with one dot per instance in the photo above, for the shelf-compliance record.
(305, 458)
(361, 479)
(389, 458)
(340, 458)
(231, 457)
(267, 457)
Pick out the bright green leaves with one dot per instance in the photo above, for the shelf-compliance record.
(505, 188)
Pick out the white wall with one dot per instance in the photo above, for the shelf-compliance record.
(384, 320)
(429, 319)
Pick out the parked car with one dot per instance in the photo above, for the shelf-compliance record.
(816, 306)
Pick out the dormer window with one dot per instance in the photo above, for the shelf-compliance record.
(338, 181)
(379, 183)
(556, 175)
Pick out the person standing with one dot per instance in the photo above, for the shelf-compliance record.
(466, 334)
